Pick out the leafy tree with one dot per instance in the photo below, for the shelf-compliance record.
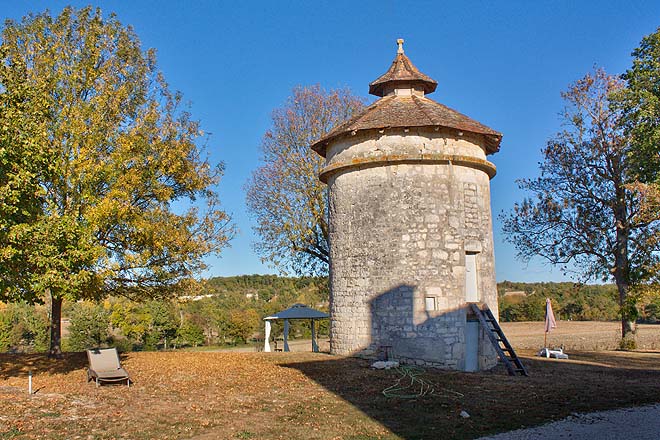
(163, 324)
(583, 216)
(23, 328)
(190, 334)
(90, 326)
(530, 308)
(22, 114)
(147, 324)
(242, 324)
(115, 150)
(285, 195)
(639, 103)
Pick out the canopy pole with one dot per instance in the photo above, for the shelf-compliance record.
(267, 336)
(315, 346)
(286, 335)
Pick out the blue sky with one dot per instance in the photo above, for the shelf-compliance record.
(501, 63)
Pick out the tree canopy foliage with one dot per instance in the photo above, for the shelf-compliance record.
(639, 103)
(285, 195)
(95, 151)
(583, 214)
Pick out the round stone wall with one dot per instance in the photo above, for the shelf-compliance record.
(405, 209)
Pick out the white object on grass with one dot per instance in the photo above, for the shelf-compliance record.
(556, 353)
(384, 365)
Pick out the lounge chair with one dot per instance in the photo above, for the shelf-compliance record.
(104, 366)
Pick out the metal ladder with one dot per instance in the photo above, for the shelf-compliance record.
(496, 335)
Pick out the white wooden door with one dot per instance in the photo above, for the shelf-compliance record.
(471, 291)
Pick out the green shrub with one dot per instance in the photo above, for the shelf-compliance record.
(23, 328)
(123, 345)
(628, 343)
(90, 326)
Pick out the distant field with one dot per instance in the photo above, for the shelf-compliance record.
(578, 335)
(208, 395)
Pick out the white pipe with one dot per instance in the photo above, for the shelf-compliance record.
(30, 382)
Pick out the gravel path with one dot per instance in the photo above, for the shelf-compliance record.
(641, 423)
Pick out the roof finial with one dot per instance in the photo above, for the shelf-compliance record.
(400, 43)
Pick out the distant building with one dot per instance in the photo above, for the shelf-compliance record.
(411, 241)
(194, 297)
(520, 293)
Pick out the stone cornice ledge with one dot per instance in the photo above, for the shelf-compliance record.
(429, 158)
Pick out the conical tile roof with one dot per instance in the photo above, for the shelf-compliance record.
(402, 71)
(409, 111)
(404, 111)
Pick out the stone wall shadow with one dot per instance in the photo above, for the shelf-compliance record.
(408, 334)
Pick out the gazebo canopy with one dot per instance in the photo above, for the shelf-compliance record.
(298, 311)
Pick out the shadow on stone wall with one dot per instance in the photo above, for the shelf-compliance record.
(402, 325)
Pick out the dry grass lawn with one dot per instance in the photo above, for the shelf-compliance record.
(310, 396)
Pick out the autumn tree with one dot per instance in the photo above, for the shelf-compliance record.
(190, 333)
(639, 103)
(23, 114)
(242, 324)
(284, 194)
(111, 150)
(146, 324)
(582, 213)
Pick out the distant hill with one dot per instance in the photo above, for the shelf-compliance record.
(517, 301)
(570, 301)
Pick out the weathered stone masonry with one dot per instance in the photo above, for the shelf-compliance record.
(406, 205)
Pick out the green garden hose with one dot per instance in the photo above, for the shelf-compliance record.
(409, 385)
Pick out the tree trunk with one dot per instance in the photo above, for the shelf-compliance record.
(55, 328)
(621, 257)
(627, 325)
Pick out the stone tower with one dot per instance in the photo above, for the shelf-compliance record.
(411, 237)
